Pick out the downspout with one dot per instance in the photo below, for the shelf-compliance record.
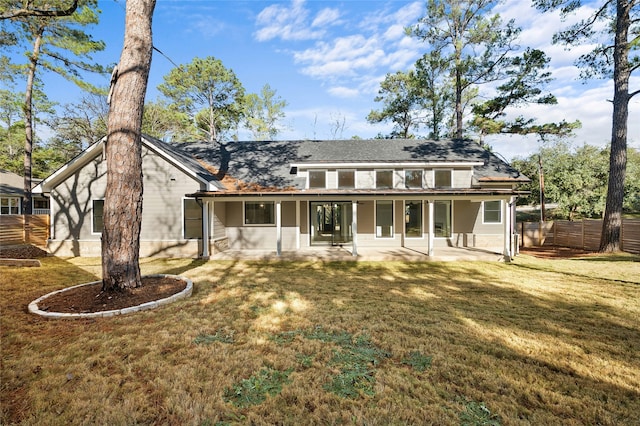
(506, 213)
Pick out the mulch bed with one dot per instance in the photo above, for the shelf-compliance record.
(91, 298)
(22, 251)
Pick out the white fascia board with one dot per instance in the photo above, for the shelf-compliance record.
(387, 165)
(178, 164)
(68, 168)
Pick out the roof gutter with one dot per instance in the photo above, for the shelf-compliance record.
(306, 194)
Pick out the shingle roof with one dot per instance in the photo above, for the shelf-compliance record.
(268, 164)
(187, 159)
(11, 183)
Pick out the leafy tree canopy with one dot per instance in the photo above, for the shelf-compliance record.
(263, 112)
(575, 179)
(402, 102)
(208, 92)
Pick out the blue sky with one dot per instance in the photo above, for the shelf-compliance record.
(327, 58)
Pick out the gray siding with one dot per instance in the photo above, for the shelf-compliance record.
(72, 202)
(218, 220)
(162, 218)
(164, 189)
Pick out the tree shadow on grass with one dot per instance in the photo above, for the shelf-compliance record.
(574, 347)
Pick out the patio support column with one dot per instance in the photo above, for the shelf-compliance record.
(354, 227)
(205, 230)
(431, 228)
(506, 214)
(278, 227)
(297, 224)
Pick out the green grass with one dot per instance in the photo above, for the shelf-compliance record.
(550, 342)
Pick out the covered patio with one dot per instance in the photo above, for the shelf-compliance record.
(344, 254)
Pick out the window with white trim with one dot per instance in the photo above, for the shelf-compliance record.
(442, 178)
(9, 205)
(492, 211)
(259, 213)
(442, 219)
(192, 216)
(384, 179)
(317, 179)
(413, 178)
(413, 219)
(97, 212)
(384, 219)
(346, 179)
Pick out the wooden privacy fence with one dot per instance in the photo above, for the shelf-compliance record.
(14, 231)
(583, 234)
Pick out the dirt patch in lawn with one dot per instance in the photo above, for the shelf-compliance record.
(91, 298)
(556, 252)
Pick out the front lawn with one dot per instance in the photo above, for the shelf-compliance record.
(540, 342)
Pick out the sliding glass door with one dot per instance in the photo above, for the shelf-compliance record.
(331, 223)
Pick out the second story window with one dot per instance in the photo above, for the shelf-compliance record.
(384, 179)
(346, 179)
(413, 178)
(442, 178)
(317, 179)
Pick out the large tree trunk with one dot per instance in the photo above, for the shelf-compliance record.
(458, 103)
(610, 239)
(28, 118)
(123, 196)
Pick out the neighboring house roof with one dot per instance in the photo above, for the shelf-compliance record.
(269, 164)
(11, 184)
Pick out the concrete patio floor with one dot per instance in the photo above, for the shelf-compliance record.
(364, 254)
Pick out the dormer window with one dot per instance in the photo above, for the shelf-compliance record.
(442, 178)
(346, 179)
(384, 179)
(413, 178)
(317, 179)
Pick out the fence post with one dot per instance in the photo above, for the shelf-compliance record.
(539, 233)
(622, 234)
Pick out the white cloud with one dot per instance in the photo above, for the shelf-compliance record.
(326, 16)
(341, 58)
(206, 26)
(344, 92)
(405, 16)
(364, 46)
(286, 23)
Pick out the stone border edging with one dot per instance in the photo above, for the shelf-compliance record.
(21, 263)
(33, 306)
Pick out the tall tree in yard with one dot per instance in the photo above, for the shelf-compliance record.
(262, 113)
(123, 196)
(403, 104)
(613, 27)
(58, 44)
(208, 92)
(474, 42)
(527, 75)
